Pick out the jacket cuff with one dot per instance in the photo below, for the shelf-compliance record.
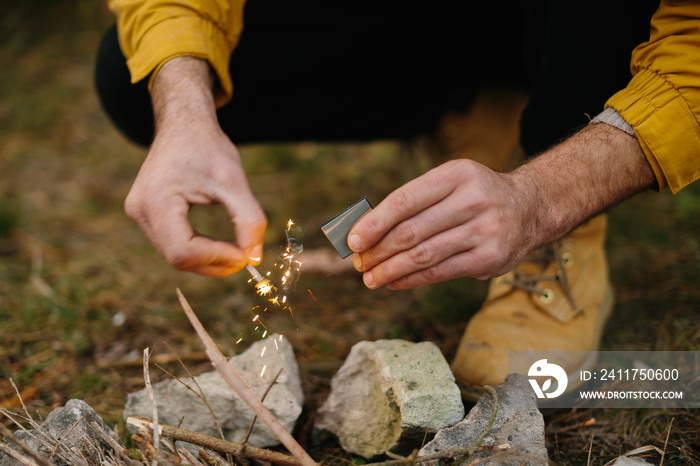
(186, 36)
(611, 117)
(665, 127)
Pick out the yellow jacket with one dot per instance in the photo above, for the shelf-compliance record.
(153, 31)
(661, 102)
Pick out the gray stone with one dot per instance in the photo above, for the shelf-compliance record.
(518, 424)
(177, 403)
(389, 395)
(68, 436)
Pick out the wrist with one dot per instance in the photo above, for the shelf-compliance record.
(182, 95)
(585, 175)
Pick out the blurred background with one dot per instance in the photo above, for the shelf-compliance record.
(82, 291)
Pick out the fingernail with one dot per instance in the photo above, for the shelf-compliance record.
(357, 262)
(355, 243)
(368, 279)
(256, 254)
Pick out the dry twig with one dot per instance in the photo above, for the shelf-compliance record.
(234, 380)
(152, 398)
(177, 433)
(17, 456)
(58, 444)
(494, 411)
(668, 433)
(36, 457)
(262, 398)
(184, 453)
(200, 395)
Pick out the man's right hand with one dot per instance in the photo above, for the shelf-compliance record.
(191, 161)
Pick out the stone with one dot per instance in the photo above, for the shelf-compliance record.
(389, 395)
(518, 424)
(257, 366)
(77, 428)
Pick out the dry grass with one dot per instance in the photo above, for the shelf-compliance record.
(82, 292)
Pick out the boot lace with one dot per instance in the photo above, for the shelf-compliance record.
(542, 257)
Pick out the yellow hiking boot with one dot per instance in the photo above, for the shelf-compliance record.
(557, 299)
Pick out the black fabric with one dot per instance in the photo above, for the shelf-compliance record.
(360, 70)
(578, 55)
(353, 71)
(340, 70)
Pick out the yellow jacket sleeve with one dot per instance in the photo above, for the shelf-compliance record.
(662, 100)
(154, 31)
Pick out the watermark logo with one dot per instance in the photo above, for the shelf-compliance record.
(542, 368)
(610, 379)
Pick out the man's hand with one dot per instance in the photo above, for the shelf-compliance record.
(459, 219)
(191, 161)
(462, 219)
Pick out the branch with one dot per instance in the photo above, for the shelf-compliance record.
(262, 398)
(151, 397)
(231, 377)
(36, 457)
(178, 433)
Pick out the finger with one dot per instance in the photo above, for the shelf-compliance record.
(210, 258)
(403, 203)
(424, 255)
(480, 259)
(175, 239)
(443, 216)
(452, 267)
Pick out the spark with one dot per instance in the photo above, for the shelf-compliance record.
(264, 287)
(312, 295)
(284, 274)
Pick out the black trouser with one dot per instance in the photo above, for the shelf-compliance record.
(331, 70)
